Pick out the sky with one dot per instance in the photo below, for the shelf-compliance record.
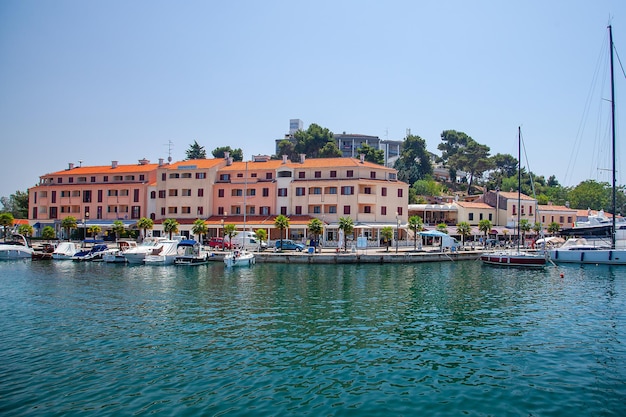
(102, 81)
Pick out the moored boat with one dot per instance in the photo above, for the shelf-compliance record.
(65, 250)
(190, 253)
(136, 255)
(239, 258)
(16, 248)
(514, 258)
(164, 254)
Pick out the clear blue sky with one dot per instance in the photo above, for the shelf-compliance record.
(115, 80)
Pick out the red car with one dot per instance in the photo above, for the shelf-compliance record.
(219, 243)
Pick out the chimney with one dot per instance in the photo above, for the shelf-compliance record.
(226, 155)
(143, 161)
(302, 158)
(160, 162)
(284, 159)
(362, 157)
(113, 164)
(71, 165)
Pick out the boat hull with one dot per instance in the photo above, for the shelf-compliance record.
(589, 256)
(242, 260)
(9, 253)
(507, 259)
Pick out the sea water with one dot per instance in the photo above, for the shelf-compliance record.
(453, 338)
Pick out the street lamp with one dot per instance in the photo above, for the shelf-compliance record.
(397, 230)
(222, 234)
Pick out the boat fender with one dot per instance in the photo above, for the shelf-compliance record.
(582, 256)
(556, 254)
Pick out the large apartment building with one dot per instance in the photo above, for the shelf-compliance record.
(248, 194)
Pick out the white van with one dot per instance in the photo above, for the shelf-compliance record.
(247, 240)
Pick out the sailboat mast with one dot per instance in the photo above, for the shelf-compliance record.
(519, 183)
(613, 203)
(245, 195)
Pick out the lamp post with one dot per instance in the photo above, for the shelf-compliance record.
(397, 231)
(222, 234)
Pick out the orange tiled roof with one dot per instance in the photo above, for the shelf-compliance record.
(552, 207)
(199, 163)
(513, 195)
(104, 169)
(471, 204)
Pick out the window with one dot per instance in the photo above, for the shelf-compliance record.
(175, 175)
(373, 174)
(65, 193)
(399, 192)
(251, 192)
(163, 178)
(220, 192)
(186, 192)
(284, 174)
(367, 209)
(332, 209)
(135, 212)
(265, 211)
(268, 175)
(346, 209)
(185, 175)
(93, 179)
(200, 175)
(237, 192)
(117, 178)
(480, 216)
(112, 193)
(392, 176)
(317, 210)
(399, 211)
(569, 220)
(514, 209)
(383, 210)
(142, 177)
(162, 211)
(161, 193)
(470, 216)
(298, 210)
(239, 175)
(333, 174)
(530, 210)
(367, 190)
(172, 210)
(318, 174)
(224, 177)
(383, 191)
(100, 196)
(283, 210)
(129, 178)
(200, 192)
(300, 191)
(136, 196)
(124, 193)
(347, 190)
(185, 210)
(490, 217)
(266, 192)
(561, 218)
(332, 190)
(200, 211)
(301, 174)
(152, 195)
(75, 193)
(350, 173)
(70, 180)
(251, 210)
(315, 190)
(173, 192)
(282, 192)
(59, 180)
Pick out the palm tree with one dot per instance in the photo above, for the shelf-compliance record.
(347, 225)
(524, 227)
(442, 227)
(485, 226)
(170, 226)
(199, 228)
(48, 232)
(261, 234)
(281, 222)
(387, 234)
(6, 220)
(416, 224)
(68, 224)
(118, 228)
(144, 224)
(317, 228)
(95, 229)
(554, 228)
(230, 230)
(25, 230)
(465, 230)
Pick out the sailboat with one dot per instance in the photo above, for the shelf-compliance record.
(580, 250)
(241, 257)
(515, 257)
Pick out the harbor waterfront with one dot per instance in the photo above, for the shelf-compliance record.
(426, 338)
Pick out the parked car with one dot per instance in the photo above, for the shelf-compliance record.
(288, 244)
(219, 243)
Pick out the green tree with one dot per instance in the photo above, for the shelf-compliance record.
(473, 159)
(25, 230)
(347, 225)
(451, 143)
(371, 154)
(465, 230)
(442, 227)
(94, 230)
(48, 233)
(68, 224)
(6, 220)
(230, 231)
(199, 228)
(524, 227)
(16, 204)
(145, 224)
(387, 235)
(330, 150)
(317, 228)
(537, 228)
(311, 141)
(236, 154)
(170, 226)
(261, 234)
(485, 226)
(196, 151)
(427, 186)
(414, 161)
(281, 222)
(287, 147)
(416, 224)
(118, 228)
(553, 228)
(591, 194)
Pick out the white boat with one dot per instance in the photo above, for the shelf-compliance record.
(136, 255)
(516, 257)
(16, 248)
(592, 249)
(163, 254)
(190, 253)
(116, 255)
(239, 258)
(92, 250)
(65, 250)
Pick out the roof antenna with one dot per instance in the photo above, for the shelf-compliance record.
(169, 151)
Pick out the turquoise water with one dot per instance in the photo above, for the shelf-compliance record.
(431, 339)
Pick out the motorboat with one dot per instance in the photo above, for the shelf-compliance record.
(583, 251)
(190, 253)
(65, 250)
(116, 255)
(163, 254)
(91, 251)
(137, 254)
(514, 258)
(16, 248)
(239, 258)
